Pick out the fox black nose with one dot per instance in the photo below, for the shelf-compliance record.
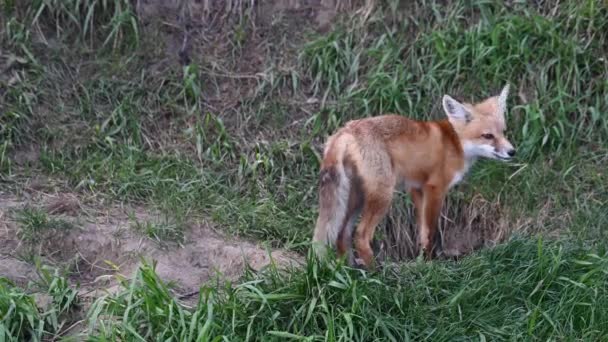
(511, 152)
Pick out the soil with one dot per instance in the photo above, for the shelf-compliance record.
(101, 243)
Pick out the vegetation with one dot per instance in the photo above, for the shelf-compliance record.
(35, 225)
(230, 128)
(520, 290)
(21, 318)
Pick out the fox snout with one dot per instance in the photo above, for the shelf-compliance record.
(504, 150)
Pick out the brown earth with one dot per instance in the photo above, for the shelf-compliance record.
(103, 242)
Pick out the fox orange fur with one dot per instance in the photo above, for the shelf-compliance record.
(364, 161)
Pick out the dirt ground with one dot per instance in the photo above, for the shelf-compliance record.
(101, 242)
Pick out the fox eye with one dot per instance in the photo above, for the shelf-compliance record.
(488, 136)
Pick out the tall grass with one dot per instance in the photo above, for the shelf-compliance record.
(526, 289)
(22, 318)
(114, 19)
(561, 90)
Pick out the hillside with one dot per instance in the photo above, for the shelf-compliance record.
(159, 165)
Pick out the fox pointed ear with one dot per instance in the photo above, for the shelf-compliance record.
(455, 110)
(502, 99)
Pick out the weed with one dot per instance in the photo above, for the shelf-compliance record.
(115, 18)
(19, 316)
(64, 298)
(331, 61)
(35, 225)
(160, 231)
(22, 319)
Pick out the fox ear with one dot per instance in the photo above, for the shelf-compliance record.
(502, 99)
(455, 110)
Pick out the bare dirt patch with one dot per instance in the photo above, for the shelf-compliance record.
(103, 242)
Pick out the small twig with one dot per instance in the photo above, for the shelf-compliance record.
(66, 330)
(189, 294)
(236, 76)
(93, 265)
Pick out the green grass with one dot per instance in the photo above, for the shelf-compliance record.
(527, 289)
(20, 316)
(160, 230)
(23, 318)
(235, 136)
(35, 225)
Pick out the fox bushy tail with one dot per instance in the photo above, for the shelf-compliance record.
(334, 189)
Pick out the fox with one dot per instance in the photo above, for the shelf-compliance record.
(367, 159)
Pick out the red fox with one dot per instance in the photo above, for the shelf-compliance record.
(364, 161)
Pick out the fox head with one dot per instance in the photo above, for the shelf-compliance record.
(481, 126)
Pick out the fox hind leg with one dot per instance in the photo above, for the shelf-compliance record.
(374, 209)
(355, 202)
(344, 243)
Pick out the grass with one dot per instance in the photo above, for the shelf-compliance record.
(161, 230)
(525, 289)
(20, 316)
(234, 134)
(35, 225)
(23, 318)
